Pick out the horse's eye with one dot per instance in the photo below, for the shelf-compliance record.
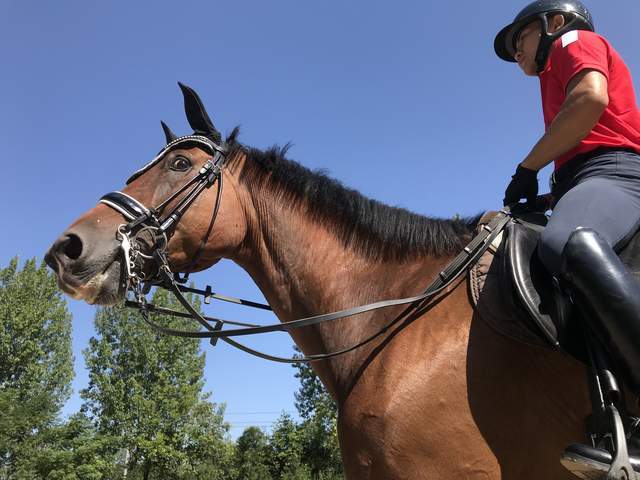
(180, 164)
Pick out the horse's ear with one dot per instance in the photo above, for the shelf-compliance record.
(169, 135)
(197, 115)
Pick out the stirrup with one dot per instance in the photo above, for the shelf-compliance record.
(590, 463)
(607, 458)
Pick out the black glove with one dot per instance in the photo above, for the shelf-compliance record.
(524, 184)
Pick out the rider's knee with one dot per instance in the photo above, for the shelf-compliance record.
(549, 251)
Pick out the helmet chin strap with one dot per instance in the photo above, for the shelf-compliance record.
(547, 39)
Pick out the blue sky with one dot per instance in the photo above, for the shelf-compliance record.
(404, 101)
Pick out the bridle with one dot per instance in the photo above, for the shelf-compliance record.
(156, 221)
(160, 225)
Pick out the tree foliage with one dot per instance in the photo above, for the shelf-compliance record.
(251, 455)
(285, 450)
(144, 414)
(318, 431)
(72, 450)
(146, 389)
(36, 363)
(306, 450)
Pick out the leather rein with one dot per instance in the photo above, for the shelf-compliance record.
(154, 221)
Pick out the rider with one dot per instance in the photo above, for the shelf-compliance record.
(593, 135)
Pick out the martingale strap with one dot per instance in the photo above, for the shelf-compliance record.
(213, 326)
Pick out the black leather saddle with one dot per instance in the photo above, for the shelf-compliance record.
(534, 291)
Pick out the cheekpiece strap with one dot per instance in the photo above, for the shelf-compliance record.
(128, 206)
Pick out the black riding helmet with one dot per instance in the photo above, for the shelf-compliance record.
(576, 15)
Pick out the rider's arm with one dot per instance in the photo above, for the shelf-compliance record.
(587, 99)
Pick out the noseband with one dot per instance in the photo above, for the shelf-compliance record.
(161, 225)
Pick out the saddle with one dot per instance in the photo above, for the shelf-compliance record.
(515, 295)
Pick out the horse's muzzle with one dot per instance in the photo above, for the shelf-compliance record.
(87, 266)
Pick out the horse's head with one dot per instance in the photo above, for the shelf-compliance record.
(167, 208)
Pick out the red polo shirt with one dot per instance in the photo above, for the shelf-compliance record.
(619, 125)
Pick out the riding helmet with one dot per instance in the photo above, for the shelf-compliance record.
(577, 17)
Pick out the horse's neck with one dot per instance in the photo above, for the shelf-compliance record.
(303, 269)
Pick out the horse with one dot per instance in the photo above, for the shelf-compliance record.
(439, 395)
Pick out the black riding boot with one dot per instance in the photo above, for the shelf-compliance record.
(609, 297)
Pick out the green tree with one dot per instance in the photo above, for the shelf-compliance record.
(320, 449)
(71, 451)
(36, 363)
(209, 454)
(285, 451)
(318, 431)
(251, 455)
(146, 389)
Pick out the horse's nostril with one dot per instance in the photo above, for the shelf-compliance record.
(72, 247)
(49, 260)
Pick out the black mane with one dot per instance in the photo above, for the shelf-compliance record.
(373, 229)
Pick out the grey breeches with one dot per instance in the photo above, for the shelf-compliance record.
(603, 194)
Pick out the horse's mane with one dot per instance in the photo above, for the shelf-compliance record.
(373, 229)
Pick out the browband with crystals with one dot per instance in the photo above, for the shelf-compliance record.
(198, 140)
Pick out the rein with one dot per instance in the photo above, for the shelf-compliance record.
(148, 220)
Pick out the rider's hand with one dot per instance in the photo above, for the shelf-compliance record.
(524, 184)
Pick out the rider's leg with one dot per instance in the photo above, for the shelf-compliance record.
(599, 280)
(609, 297)
(603, 286)
(607, 205)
